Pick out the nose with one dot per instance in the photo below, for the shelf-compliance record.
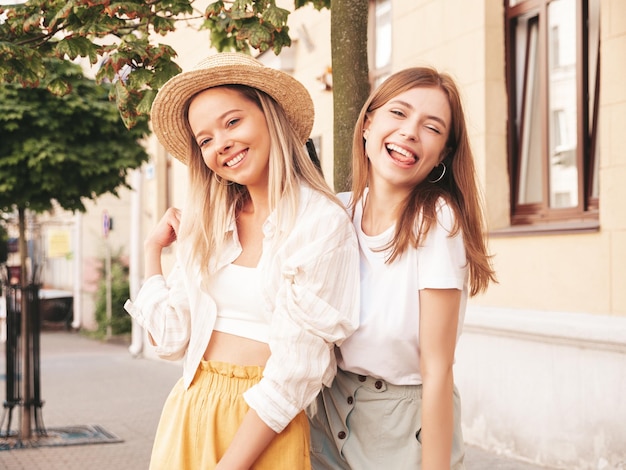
(222, 144)
(408, 131)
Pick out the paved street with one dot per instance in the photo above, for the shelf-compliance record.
(88, 382)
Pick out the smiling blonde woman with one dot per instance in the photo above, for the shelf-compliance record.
(266, 282)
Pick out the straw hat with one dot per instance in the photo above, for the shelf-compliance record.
(168, 114)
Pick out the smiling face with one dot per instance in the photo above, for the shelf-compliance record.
(406, 137)
(231, 131)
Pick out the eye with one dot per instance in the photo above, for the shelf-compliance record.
(204, 142)
(232, 122)
(397, 112)
(433, 128)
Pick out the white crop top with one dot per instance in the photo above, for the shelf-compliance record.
(237, 293)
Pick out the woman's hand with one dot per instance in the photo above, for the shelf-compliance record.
(164, 234)
(161, 236)
(251, 439)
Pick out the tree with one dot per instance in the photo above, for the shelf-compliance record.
(62, 148)
(139, 67)
(350, 80)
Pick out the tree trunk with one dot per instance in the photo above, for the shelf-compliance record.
(25, 418)
(348, 36)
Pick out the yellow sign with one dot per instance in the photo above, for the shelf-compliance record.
(58, 243)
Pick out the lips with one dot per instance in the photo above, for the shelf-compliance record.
(400, 154)
(236, 159)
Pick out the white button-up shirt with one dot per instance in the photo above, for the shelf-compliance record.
(311, 291)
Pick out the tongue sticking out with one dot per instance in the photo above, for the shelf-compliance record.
(401, 155)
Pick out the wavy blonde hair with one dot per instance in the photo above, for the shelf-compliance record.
(458, 187)
(210, 206)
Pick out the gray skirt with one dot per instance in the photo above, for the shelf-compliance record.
(364, 423)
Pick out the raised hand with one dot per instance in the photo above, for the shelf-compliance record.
(161, 236)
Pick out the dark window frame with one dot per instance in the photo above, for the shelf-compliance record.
(586, 209)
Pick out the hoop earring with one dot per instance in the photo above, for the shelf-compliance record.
(219, 180)
(443, 172)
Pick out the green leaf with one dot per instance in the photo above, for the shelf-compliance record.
(239, 6)
(257, 34)
(73, 47)
(239, 10)
(317, 4)
(20, 64)
(276, 16)
(281, 39)
(61, 15)
(163, 25)
(164, 69)
(32, 23)
(214, 9)
(59, 87)
(139, 78)
(146, 102)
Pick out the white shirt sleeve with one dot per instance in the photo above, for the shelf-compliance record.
(162, 309)
(442, 263)
(316, 307)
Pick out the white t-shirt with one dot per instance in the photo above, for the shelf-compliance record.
(386, 344)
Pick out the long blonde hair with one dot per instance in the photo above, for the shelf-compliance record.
(458, 187)
(211, 207)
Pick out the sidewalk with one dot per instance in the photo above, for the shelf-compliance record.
(88, 382)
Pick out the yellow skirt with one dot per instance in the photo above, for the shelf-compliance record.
(198, 424)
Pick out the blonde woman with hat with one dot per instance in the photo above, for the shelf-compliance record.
(266, 279)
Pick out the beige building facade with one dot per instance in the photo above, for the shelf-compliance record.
(541, 363)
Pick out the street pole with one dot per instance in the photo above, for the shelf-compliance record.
(25, 418)
(77, 304)
(136, 344)
(106, 225)
(108, 286)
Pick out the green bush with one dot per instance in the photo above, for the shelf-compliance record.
(121, 322)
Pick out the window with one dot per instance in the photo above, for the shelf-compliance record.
(552, 66)
(380, 41)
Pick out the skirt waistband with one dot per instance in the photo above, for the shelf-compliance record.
(379, 385)
(231, 370)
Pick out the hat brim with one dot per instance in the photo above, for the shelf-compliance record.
(168, 114)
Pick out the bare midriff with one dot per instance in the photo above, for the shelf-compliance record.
(224, 347)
